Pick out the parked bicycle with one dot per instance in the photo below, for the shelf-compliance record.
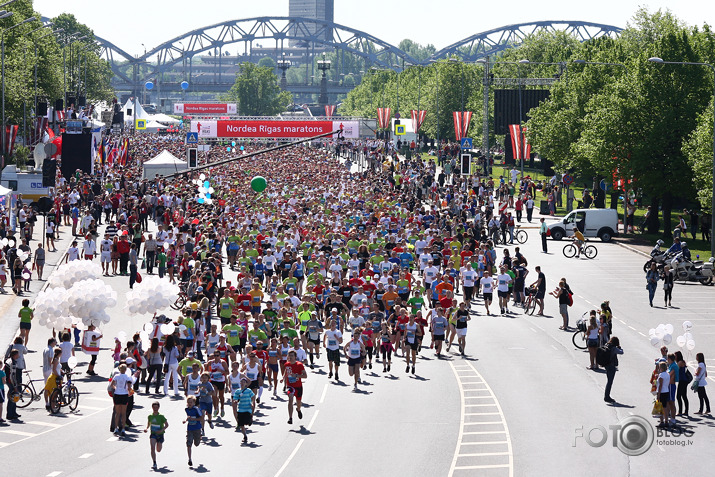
(530, 302)
(580, 336)
(64, 395)
(588, 250)
(28, 392)
(182, 297)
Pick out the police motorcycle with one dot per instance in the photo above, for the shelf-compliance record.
(692, 271)
(659, 257)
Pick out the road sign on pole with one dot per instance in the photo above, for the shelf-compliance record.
(192, 138)
(605, 186)
(466, 143)
(567, 179)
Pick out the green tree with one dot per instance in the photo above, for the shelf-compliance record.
(416, 50)
(85, 72)
(699, 151)
(257, 92)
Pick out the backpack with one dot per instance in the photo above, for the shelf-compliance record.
(603, 356)
(570, 297)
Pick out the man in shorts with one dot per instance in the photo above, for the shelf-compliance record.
(194, 422)
(105, 254)
(294, 375)
(314, 328)
(332, 339)
(158, 424)
(243, 401)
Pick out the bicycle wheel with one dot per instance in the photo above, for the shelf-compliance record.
(180, 302)
(590, 251)
(579, 339)
(531, 305)
(522, 236)
(72, 397)
(26, 396)
(569, 250)
(55, 401)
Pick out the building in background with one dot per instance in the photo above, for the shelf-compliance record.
(314, 9)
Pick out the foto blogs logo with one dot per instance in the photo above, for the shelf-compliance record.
(633, 435)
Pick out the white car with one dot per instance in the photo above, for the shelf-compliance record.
(601, 223)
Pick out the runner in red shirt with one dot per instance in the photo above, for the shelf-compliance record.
(294, 374)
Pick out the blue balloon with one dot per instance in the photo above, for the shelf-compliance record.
(242, 148)
(149, 85)
(228, 149)
(201, 200)
(184, 85)
(233, 143)
(208, 196)
(207, 184)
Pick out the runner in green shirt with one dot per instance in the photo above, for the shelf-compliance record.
(158, 424)
(233, 332)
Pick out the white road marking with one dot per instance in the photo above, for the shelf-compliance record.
(322, 396)
(312, 420)
(290, 457)
(85, 456)
(532, 329)
(18, 433)
(502, 436)
(554, 346)
(95, 398)
(54, 474)
(490, 466)
(476, 454)
(113, 439)
(640, 333)
(46, 424)
(629, 326)
(3, 444)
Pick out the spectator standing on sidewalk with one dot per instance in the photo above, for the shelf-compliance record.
(543, 231)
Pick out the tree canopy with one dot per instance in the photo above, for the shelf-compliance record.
(256, 91)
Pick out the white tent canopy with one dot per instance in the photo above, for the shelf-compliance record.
(164, 119)
(138, 114)
(163, 164)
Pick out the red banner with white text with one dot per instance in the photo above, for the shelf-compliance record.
(272, 128)
(205, 108)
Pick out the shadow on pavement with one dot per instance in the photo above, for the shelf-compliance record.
(302, 431)
(620, 404)
(163, 470)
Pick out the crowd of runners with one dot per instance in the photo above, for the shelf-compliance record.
(326, 265)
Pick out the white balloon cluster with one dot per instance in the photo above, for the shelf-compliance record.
(686, 340)
(205, 190)
(150, 296)
(70, 273)
(661, 334)
(7, 241)
(84, 302)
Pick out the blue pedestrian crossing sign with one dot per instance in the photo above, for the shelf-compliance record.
(140, 124)
(466, 143)
(400, 130)
(192, 138)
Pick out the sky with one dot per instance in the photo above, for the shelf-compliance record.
(130, 23)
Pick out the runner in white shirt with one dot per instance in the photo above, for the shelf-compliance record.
(487, 283)
(72, 252)
(469, 278)
(503, 281)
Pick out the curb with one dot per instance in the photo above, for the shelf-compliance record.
(632, 249)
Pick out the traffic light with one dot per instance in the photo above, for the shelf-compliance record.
(193, 158)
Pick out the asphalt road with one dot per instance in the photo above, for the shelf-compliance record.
(514, 406)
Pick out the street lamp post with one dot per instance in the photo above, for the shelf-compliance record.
(323, 66)
(2, 68)
(283, 65)
(712, 204)
(24, 102)
(59, 30)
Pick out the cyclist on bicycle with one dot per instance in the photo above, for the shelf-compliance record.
(579, 239)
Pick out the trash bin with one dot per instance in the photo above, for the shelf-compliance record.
(544, 207)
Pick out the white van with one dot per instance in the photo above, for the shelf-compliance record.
(601, 223)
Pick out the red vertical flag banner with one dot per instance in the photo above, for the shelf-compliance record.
(329, 110)
(461, 123)
(383, 117)
(520, 146)
(418, 119)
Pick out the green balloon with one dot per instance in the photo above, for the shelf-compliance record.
(259, 184)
